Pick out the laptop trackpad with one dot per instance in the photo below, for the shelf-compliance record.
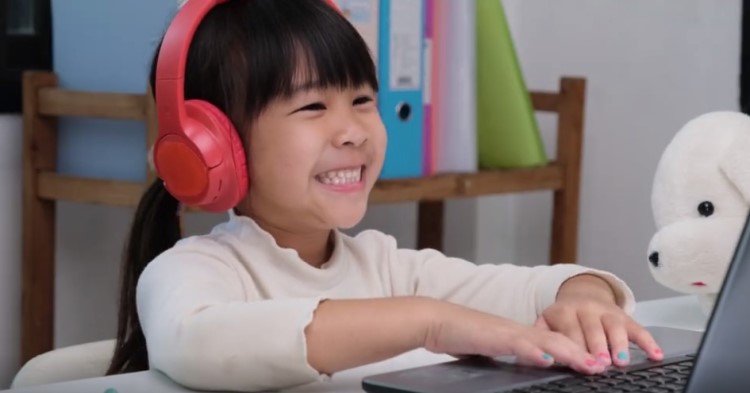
(675, 342)
(466, 375)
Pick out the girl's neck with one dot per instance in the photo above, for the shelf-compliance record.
(313, 247)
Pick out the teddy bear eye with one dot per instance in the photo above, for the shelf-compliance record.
(706, 209)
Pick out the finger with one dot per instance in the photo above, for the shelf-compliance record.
(541, 323)
(529, 354)
(571, 328)
(566, 351)
(641, 337)
(596, 338)
(617, 334)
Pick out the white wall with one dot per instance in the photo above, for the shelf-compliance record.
(651, 66)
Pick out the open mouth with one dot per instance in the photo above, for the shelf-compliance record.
(342, 177)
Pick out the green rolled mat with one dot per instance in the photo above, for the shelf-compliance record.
(507, 130)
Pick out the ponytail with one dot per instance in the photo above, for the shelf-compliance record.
(156, 228)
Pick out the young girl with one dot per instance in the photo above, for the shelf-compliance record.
(277, 296)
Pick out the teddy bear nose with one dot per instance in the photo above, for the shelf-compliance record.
(654, 259)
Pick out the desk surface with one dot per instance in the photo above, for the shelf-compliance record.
(683, 312)
(678, 312)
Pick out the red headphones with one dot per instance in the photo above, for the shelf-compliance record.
(198, 153)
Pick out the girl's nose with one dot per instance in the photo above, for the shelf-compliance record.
(351, 133)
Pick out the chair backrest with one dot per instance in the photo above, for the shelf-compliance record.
(88, 360)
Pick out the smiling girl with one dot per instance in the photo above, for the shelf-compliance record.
(278, 296)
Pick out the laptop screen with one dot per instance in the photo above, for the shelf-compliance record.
(724, 353)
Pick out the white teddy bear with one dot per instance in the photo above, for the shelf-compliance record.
(700, 200)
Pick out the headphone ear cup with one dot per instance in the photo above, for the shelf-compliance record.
(224, 155)
(236, 148)
(205, 164)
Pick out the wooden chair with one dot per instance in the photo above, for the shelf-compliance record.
(44, 102)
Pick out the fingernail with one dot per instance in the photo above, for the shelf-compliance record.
(658, 351)
(605, 358)
(591, 362)
(622, 356)
(547, 356)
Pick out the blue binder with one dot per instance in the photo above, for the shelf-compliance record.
(401, 76)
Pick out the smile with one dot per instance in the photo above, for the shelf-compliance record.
(341, 177)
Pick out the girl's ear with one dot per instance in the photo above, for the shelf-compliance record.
(736, 163)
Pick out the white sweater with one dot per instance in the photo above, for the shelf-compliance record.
(227, 310)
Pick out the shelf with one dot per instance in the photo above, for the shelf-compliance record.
(461, 185)
(52, 186)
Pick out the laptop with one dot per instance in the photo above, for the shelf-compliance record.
(715, 361)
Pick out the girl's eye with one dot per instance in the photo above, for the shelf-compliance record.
(362, 100)
(318, 106)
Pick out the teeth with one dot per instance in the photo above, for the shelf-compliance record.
(341, 177)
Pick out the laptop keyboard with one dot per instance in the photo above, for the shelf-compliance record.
(660, 378)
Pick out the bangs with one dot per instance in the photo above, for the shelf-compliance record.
(321, 65)
(314, 46)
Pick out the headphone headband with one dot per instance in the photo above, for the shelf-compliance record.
(170, 68)
(170, 74)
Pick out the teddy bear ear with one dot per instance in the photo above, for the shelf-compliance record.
(736, 163)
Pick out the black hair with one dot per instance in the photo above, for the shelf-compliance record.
(244, 55)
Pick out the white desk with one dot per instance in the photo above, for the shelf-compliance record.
(682, 312)
(679, 312)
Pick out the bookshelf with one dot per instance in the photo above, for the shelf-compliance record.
(44, 101)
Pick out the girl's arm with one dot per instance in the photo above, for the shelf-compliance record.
(350, 333)
(520, 293)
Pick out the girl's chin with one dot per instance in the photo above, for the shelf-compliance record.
(348, 219)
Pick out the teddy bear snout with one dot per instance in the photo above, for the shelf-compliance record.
(691, 255)
(654, 258)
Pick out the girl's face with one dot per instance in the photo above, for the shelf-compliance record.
(314, 157)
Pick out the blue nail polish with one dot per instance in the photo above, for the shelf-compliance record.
(547, 356)
(622, 355)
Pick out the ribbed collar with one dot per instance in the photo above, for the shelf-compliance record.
(259, 247)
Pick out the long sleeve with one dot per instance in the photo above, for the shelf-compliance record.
(228, 311)
(203, 331)
(517, 292)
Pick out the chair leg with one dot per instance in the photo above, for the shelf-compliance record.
(38, 265)
(569, 154)
(430, 231)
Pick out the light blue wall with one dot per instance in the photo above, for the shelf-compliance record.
(105, 45)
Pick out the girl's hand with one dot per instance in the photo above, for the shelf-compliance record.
(460, 331)
(587, 313)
